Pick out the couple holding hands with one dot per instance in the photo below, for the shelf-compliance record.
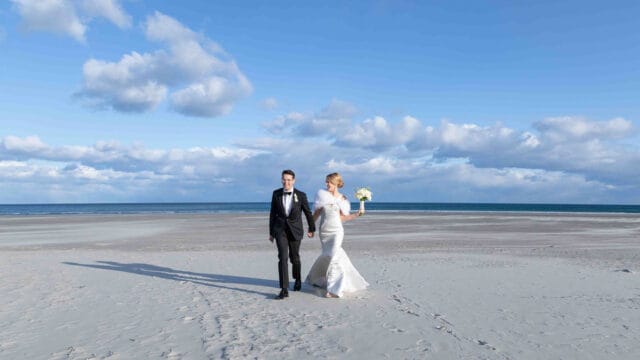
(332, 270)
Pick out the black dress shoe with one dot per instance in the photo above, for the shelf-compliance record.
(297, 286)
(284, 293)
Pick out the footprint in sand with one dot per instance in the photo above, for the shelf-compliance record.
(392, 328)
(624, 271)
(171, 354)
(485, 344)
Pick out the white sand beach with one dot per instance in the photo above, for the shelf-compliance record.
(443, 286)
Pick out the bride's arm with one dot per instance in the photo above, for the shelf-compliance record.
(345, 210)
(316, 214)
(348, 217)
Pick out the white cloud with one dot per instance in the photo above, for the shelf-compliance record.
(16, 144)
(378, 134)
(559, 129)
(596, 150)
(126, 86)
(450, 183)
(67, 17)
(58, 16)
(108, 9)
(160, 27)
(593, 149)
(193, 70)
(408, 161)
(284, 123)
(43, 172)
(378, 165)
(328, 121)
(15, 170)
(210, 98)
(37, 181)
(109, 171)
(471, 137)
(112, 155)
(88, 173)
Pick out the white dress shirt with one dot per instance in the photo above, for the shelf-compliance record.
(287, 201)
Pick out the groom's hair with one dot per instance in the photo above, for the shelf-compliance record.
(289, 172)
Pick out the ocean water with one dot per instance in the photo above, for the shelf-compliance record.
(246, 207)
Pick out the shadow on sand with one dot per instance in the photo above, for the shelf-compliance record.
(214, 280)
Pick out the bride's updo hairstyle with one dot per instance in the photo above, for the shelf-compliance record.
(335, 179)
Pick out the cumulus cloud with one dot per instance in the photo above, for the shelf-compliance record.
(212, 97)
(466, 181)
(327, 121)
(405, 160)
(378, 134)
(128, 85)
(112, 155)
(58, 16)
(558, 129)
(17, 144)
(598, 153)
(594, 149)
(461, 139)
(110, 171)
(69, 17)
(417, 180)
(108, 9)
(379, 165)
(284, 123)
(15, 170)
(38, 181)
(193, 71)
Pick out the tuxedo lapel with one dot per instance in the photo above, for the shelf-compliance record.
(279, 196)
(294, 203)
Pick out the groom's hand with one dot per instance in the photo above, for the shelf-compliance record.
(310, 234)
(271, 238)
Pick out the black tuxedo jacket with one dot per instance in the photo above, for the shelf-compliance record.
(278, 219)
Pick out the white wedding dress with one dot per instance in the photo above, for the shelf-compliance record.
(333, 270)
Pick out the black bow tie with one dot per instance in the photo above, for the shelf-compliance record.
(287, 193)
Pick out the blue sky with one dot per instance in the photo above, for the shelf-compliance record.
(484, 101)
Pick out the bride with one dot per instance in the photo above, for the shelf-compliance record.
(333, 269)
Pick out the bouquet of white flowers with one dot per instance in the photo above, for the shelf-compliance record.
(363, 194)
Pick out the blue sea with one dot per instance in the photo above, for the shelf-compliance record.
(250, 207)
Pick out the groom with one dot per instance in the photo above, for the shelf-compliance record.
(285, 226)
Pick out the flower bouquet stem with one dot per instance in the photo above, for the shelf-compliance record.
(363, 194)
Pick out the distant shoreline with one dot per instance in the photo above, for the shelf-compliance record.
(261, 207)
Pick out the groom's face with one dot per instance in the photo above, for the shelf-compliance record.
(287, 182)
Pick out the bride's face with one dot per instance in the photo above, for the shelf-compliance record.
(330, 187)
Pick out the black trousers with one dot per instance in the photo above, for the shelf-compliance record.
(288, 249)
